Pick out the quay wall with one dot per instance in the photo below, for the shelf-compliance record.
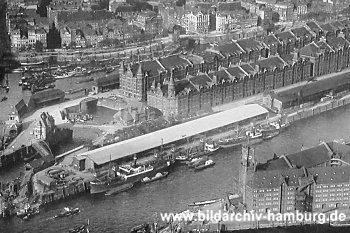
(316, 110)
(64, 192)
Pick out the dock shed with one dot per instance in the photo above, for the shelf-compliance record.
(244, 114)
(46, 97)
(312, 91)
(108, 82)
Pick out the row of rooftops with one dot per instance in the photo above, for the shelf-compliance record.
(300, 177)
(310, 164)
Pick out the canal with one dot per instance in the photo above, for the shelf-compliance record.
(183, 186)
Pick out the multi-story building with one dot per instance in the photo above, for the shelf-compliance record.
(225, 22)
(242, 68)
(22, 39)
(66, 36)
(57, 6)
(310, 180)
(196, 21)
(285, 11)
(149, 21)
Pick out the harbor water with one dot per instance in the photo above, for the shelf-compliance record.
(143, 203)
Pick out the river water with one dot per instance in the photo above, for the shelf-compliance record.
(121, 212)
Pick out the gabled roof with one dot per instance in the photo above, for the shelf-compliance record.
(324, 46)
(328, 27)
(310, 50)
(338, 42)
(200, 80)
(288, 58)
(301, 32)
(221, 75)
(314, 27)
(249, 44)
(271, 63)
(150, 67)
(248, 68)
(237, 72)
(231, 48)
(271, 40)
(306, 158)
(285, 36)
(338, 25)
(174, 61)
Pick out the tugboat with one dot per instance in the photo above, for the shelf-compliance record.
(211, 146)
(158, 176)
(207, 163)
(195, 161)
(27, 213)
(232, 142)
(126, 174)
(270, 131)
(67, 212)
(254, 136)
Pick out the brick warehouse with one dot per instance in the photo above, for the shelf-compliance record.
(181, 85)
(316, 179)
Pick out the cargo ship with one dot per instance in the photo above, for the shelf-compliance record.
(126, 174)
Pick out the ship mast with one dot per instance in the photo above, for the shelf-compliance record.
(109, 168)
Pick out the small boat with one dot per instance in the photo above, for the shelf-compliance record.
(201, 203)
(211, 146)
(195, 161)
(119, 189)
(4, 98)
(28, 213)
(158, 176)
(231, 142)
(208, 163)
(270, 133)
(145, 227)
(67, 212)
(181, 158)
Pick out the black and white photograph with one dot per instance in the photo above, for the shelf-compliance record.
(174, 116)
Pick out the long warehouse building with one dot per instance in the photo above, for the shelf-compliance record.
(98, 157)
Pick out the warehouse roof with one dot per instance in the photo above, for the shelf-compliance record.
(171, 134)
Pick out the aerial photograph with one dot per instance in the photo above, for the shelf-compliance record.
(174, 116)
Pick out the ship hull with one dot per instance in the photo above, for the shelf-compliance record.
(102, 187)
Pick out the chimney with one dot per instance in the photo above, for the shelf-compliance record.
(323, 39)
(295, 55)
(257, 68)
(341, 35)
(215, 79)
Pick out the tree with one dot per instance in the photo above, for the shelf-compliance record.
(39, 47)
(53, 38)
(259, 21)
(275, 17)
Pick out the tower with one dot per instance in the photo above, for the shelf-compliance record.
(140, 84)
(171, 86)
(247, 167)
